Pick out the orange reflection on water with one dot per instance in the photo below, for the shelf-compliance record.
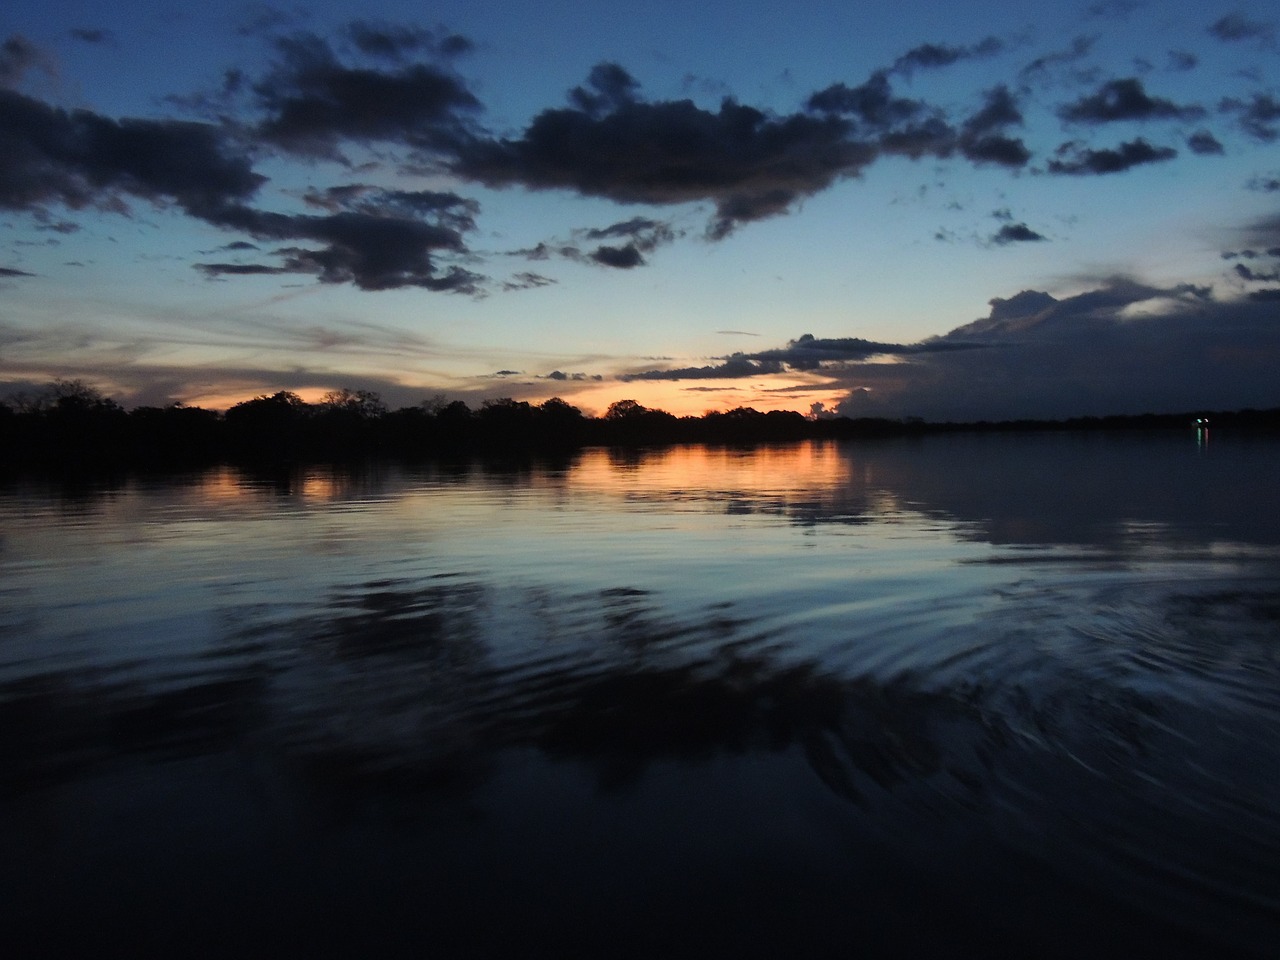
(763, 470)
(222, 485)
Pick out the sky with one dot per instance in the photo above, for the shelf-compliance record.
(977, 210)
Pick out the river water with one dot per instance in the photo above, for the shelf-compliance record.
(1011, 695)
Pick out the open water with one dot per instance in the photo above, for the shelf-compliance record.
(961, 696)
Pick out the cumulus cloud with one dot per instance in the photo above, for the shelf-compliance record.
(1040, 67)
(1015, 233)
(872, 104)
(1125, 99)
(734, 367)
(1124, 347)
(933, 55)
(609, 143)
(643, 235)
(449, 209)
(373, 252)
(312, 102)
(806, 353)
(393, 88)
(621, 257)
(80, 158)
(1204, 143)
(396, 41)
(1236, 27)
(1259, 116)
(1075, 159)
(1256, 276)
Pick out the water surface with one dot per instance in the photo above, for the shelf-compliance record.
(959, 696)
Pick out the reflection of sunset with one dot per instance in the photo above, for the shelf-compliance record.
(222, 484)
(763, 470)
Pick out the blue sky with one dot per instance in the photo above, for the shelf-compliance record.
(984, 209)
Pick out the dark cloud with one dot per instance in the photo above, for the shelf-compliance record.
(374, 238)
(1027, 303)
(621, 257)
(734, 367)
(1204, 143)
(1182, 60)
(444, 207)
(904, 127)
(1079, 160)
(609, 87)
(79, 159)
(1079, 49)
(91, 35)
(1015, 233)
(1266, 295)
(1259, 117)
(1235, 26)
(370, 250)
(999, 110)
(612, 145)
(19, 55)
(644, 236)
(1125, 347)
(932, 55)
(1113, 9)
(562, 377)
(313, 102)
(1264, 184)
(13, 272)
(812, 353)
(872, 104)
(1125, 99)
(212, 270)
(240, 245)
(635, 227)
(981, 136)
(1256, 276)
(396, 41)
(527, 281)
(1005, 151)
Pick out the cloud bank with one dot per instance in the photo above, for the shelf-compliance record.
(391, 97)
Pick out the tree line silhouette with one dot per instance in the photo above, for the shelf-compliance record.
(72, 423)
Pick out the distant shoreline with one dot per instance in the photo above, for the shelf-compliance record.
(78, 429)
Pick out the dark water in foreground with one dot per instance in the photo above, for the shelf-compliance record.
(966, 696)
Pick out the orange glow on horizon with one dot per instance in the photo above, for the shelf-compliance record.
(594, 398)
(682, 400)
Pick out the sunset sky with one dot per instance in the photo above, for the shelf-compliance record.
(981, 209)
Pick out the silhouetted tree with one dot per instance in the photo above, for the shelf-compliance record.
(625, 410)
(269, 427)
(175, 434)
(358, 404)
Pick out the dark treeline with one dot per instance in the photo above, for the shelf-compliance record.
(72, 424)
